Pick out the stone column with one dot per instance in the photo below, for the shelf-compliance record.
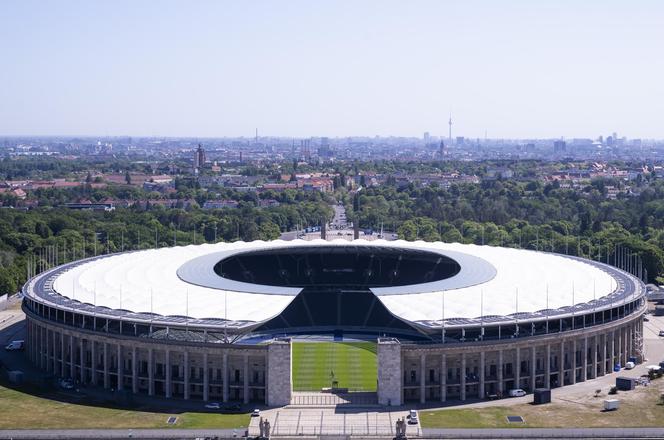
(423, 360)
(547, 367)
(206, 377)
(279, 366)
(594, 359)
(93, 364)
(35, 344)
(584, 360)
(134, 370)
(517, 370)
(107, 378)
(28, 338)
(120, 369)
(463, 376)
(63, 356)
(246, 379)
(573, 375)
(82, 362)
(561, 364)
(533, 368)
(616, 354)
(47, 363)
(500, 371)
(34, 348)
(55, 357)
(603, 364)
(612, 349)
(629, 345)
(150, 372)
(38, 346)
(167, 374)
(186, 375)
(40, 337)
(72, 358)
(620, 348)
(625, 351)
(481, 392)
(443, 377)
(224, 375)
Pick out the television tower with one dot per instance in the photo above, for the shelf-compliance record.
(450, 124)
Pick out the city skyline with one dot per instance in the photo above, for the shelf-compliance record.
(512, 70)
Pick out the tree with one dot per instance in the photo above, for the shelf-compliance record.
(268, 231)
(127, 177)
(408, 231)
(7, 282)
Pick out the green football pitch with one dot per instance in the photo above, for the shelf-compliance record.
(352, 364)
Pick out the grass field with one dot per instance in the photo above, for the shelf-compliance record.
(22, 410)
(353, 364)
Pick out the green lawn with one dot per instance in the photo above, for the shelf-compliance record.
(21, 410)
(353, 365)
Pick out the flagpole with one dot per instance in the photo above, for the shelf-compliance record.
(547, 308)
(573, 305)
(442, 321)
(482, 314)
(151, 312)
(121, 309)
(225, 316)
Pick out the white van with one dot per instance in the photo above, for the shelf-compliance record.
(517, 392)
(15, 345)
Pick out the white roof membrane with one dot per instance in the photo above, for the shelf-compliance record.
(510, 281)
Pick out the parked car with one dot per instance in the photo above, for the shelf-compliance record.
(629, 365)
(256, 413)
(15, 345)
(66, 384)
(412, 417)
(213, 405)
(517, 392)
(661, 332)
(232, 409)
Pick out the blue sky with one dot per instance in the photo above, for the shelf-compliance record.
(332, 68)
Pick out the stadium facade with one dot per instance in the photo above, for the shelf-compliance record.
(215, 322)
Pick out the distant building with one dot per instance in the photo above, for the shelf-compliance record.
(220, 204)
(498, 173)
(305, 147)
(91, 206)
(324, 151)
(559, 147)
(199, 157)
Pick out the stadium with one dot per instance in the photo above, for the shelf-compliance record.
(218, 321)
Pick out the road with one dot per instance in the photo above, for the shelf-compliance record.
(339, 221)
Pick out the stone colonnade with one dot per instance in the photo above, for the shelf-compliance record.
(441, 373)
(224, 373)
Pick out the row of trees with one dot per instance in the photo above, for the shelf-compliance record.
(35, 236)
(522, 214)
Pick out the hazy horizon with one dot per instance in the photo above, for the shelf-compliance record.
(512, 69)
